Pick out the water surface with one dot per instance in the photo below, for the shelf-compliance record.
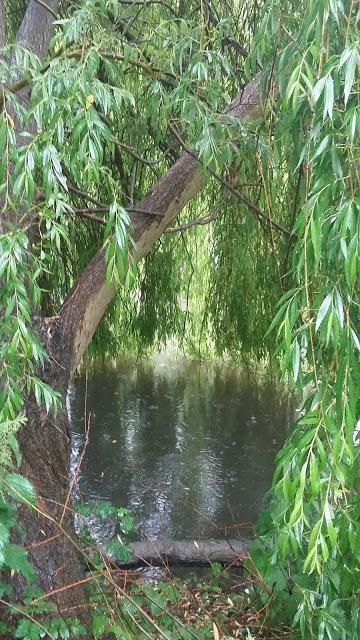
(188, 447)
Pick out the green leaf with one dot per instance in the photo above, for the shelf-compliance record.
(321, 147)
(20, 488)
(318, 89)
(324, 308)
(16, 559)
(350, 74)
(296, 359)
(339, 308)
(329, 97)
(99, 624)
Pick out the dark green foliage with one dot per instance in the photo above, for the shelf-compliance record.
(308, 552)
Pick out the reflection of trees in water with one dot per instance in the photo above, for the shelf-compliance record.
(174, 440)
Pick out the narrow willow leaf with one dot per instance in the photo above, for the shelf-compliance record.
(329, 97)
(324, 308)
(296, 359)
(321, 147)
(353, 127)
(318, 89)
(355, 339)
(339, 307)
(350, 74)
(315, 231)
(329, 326)
(314, 475)
(324, 548)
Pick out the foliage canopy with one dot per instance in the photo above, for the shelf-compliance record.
(85, 134)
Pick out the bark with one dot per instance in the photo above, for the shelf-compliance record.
(47, 532)
(186, 552)
(36, 28)
(2, 24)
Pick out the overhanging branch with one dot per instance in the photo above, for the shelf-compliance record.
(89, 299)
(244, 199)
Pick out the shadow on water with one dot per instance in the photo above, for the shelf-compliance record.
(188, 447)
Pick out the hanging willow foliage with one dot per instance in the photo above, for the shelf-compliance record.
(308, 551)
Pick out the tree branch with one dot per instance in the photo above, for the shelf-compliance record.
(88, 211)
(134, 154)
(145, 3)
(193, 223)
(251, 205)
(89, 299)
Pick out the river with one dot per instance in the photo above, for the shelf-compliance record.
(189, 447)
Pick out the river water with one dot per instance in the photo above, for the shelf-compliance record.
(188, 447)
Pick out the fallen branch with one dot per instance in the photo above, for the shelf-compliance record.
(187, 552)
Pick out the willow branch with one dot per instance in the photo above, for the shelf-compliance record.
(132, 152)
(251, 205)
(193, 223)
(106, 208)
(145, 3)
(86, 213)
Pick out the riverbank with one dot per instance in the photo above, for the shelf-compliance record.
(222, 605)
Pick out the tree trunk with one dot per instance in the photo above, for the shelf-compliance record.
(46, 532)
(49, 530)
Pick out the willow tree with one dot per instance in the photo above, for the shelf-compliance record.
(111, 123)
(86, 123)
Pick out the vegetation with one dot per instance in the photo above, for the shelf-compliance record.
(112, 122)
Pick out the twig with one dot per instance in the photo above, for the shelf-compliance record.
(231, 188)
(71, 540)
(49, 9)
(131, 151)
(193, 223)
(83, 194)
(145, 3)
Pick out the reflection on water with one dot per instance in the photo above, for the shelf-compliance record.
(189, 447)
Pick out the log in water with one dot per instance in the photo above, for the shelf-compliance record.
(187, 552)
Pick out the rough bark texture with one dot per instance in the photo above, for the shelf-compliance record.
(186, 552)
(2, 24)
(49, 532)
(36, 28)
(44, 442)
